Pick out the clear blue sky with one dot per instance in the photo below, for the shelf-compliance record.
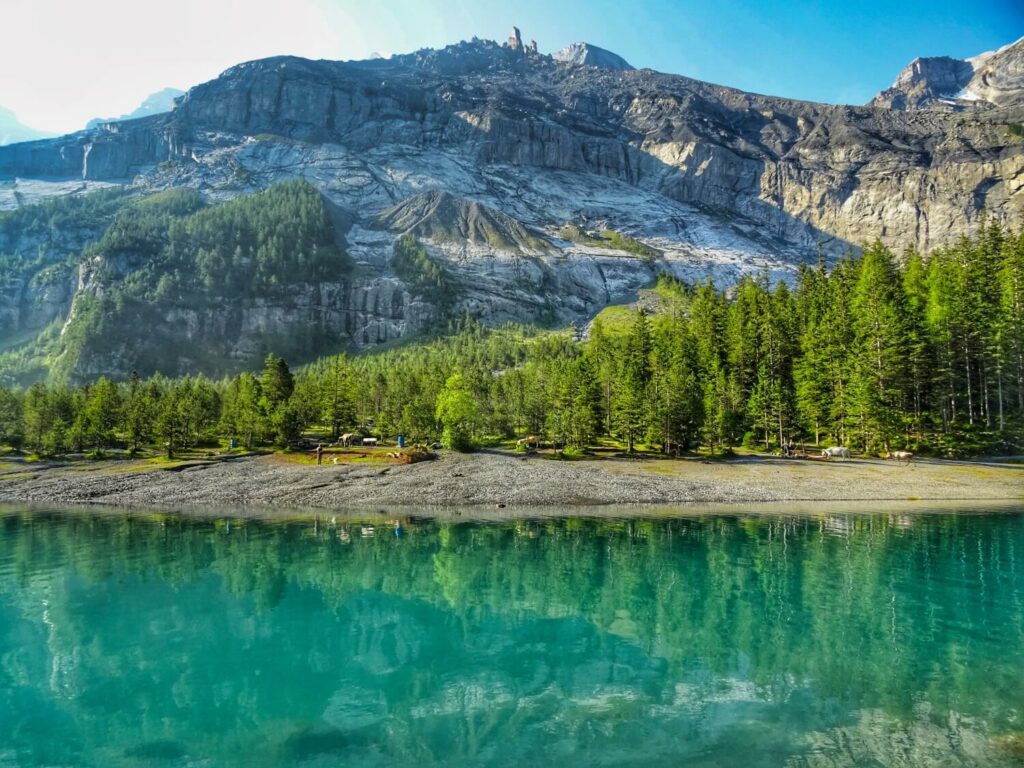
(64, 62)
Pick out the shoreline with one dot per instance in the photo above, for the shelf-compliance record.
(502, 480)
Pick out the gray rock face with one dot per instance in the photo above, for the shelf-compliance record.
(217, 338)
(999, 77)
(587, 55)
(807, 173)
(443, 217)
(994, 78)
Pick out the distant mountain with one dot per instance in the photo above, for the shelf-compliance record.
(992, 78)
(12, 130)
(154, 104)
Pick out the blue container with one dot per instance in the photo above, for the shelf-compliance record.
(234, 442)
(401, 441)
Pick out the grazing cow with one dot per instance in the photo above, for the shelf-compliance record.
(901, 457)
(836, 452)
(528, 442)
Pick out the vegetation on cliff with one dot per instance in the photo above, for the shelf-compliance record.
(166, 256)
(30, 246)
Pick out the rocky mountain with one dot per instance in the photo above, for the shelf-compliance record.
(13, 130)
(444, 218)
(520, 186)
(995, 78)
(154, 104)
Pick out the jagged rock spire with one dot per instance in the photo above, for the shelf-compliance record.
(515, 40)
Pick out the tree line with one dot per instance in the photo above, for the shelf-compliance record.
(880, 352)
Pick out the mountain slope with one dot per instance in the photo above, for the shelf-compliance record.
(442, 217)
(540, 189)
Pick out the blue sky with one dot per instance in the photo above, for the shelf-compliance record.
(63, 62)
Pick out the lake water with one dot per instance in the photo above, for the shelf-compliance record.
(830, 640)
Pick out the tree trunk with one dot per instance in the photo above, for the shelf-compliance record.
(970, 392)
(999, 385)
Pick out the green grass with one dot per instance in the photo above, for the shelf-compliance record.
(621, 242)
(1016, 130)
(608, 239)
(617, 319)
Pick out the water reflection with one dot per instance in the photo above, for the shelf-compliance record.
(830, 640)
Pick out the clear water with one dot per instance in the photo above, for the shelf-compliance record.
(716, 641)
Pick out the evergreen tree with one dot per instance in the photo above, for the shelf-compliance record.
(630, 404)
(10, 419)
(879, 375)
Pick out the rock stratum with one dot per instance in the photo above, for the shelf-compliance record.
(506, 165)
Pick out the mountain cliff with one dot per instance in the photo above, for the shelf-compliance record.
(995, 78)
(540, 187)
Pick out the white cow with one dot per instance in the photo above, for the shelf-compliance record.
(836, 452)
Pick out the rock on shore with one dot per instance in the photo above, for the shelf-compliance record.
(498, 478)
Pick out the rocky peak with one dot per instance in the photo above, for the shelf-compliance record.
(515, 40)
(443, 217)
(925, 81)
(993, 78)
(587, 55)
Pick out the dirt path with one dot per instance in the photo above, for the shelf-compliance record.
(495, 478)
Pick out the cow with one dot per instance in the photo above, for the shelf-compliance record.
(528, 442)
(836, 452)
(900, 457)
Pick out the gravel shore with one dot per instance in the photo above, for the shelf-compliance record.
(497, 479)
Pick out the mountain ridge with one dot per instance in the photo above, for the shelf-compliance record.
(468, 147)
(13, 131)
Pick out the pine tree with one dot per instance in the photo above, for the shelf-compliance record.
(630, 404)
(920, 358)
(707, 314)
(878, 317)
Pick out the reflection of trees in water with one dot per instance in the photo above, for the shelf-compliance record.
(455, 637)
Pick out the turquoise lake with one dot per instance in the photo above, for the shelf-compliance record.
(719, 640)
